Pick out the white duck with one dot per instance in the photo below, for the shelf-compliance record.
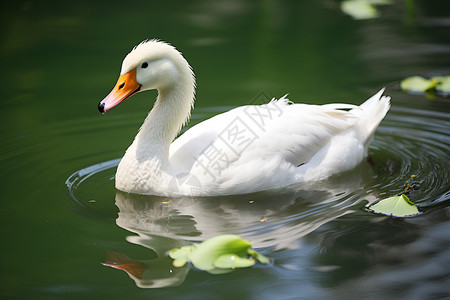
(247, 149)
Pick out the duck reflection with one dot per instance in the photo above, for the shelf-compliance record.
(151, 273)
(270, 220)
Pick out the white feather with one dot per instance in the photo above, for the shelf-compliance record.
(247, 149)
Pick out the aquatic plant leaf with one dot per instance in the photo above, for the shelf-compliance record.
(232, 261)
(208, 251)
(218, 255)
(179, 262)
(181, 255)
(418, 84)
(359, 10)
(397, 206)
(362, 9)
(258, 256)
(181, 252)
(443, 85)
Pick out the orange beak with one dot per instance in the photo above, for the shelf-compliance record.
(125, 87)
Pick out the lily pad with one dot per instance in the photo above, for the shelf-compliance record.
(439, 85)
(418, 84)
(180, 255)
(362, 9)
(443, 87)
(397, 206)
(258, 256)
(219, 254)
(359, 10)
(232, 261)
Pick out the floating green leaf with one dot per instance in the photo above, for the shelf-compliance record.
(258, 256)
(435, 85)
(397, 206)
(443, 86)
(180, 255)
(232, 261)
(362, 9)
(359, 10)
(219, 254)
(418, 84)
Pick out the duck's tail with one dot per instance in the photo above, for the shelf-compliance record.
(370, 115)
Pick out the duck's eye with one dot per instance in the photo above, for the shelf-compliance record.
(144, 65)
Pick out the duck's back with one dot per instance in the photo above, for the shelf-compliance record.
(260, 147)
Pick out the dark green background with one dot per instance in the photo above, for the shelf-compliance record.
(59, 59)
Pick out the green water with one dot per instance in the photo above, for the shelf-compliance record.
(61, 216)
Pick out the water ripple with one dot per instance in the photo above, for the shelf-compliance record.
(408, 155)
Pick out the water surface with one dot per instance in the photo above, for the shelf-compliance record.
(62, 217)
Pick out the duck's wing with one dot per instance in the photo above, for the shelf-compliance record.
(252, 148)
(290, 132)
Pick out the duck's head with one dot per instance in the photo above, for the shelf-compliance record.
(150, 65)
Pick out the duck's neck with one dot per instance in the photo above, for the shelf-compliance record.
(170, 112)
(145, 166)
